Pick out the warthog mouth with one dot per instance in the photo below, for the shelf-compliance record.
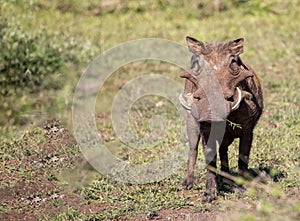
(186, 100)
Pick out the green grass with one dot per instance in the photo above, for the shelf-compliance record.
(42, 173)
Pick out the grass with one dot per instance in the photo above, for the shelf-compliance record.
(43, 175)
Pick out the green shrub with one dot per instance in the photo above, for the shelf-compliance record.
(33, 70)
(26, 61)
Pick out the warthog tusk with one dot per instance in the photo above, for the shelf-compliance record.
(184, 102)
(237, 104)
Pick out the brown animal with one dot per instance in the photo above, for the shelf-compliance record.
(220, 89)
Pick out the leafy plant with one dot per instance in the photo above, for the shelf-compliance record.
(26, 61)
(33, 68)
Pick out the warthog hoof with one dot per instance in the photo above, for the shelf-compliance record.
(209, 196)
(188, 182)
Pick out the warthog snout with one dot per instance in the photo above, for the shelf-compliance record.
(215, 110)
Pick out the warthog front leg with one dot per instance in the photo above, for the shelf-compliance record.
(223, 150)
(210, 138)
(210, 193)
(244, 152)
(193, 132)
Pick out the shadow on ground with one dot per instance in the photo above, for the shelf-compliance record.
(236, 184)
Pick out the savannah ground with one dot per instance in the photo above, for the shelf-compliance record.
(43, 175)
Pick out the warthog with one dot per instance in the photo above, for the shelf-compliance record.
(223, 97)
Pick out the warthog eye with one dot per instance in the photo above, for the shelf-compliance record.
(234, 67)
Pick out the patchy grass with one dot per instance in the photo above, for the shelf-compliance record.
(42, 173)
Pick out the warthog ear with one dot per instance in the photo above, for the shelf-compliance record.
(195, 46)
(236, 47)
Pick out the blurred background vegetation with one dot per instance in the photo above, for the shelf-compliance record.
(45, 45)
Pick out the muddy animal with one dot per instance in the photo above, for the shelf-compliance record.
(224, 100)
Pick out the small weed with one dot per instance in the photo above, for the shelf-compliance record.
(234, 125)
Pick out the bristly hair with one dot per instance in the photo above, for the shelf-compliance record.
(218, 47)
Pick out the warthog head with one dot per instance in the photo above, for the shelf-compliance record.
(212, 89)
